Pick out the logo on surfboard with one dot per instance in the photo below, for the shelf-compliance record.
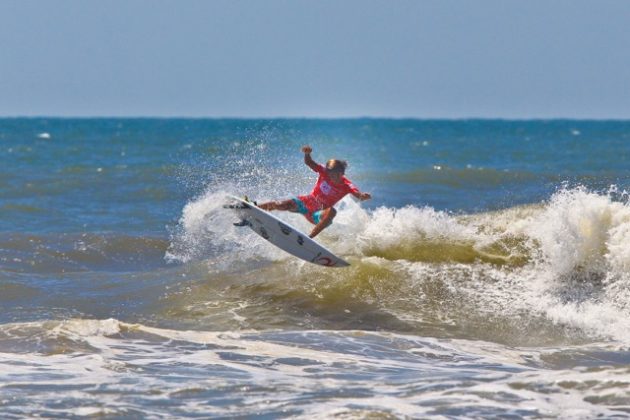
(284, 228)
(263, 233)
(326, 261)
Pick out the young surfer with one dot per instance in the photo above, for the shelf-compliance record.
(331, 186)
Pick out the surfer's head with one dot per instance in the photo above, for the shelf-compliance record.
(336, 168)
(336, 165)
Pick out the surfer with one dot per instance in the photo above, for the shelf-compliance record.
(331, 186)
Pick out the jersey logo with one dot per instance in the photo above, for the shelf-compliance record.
(325, 187)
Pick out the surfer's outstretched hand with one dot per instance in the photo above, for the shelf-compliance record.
(307, 149)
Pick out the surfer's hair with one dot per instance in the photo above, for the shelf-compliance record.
(336, 165)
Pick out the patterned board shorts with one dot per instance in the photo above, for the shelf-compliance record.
(313, 217)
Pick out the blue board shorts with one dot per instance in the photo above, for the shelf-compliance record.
(314, 217)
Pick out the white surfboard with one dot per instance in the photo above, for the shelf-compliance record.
(283, 235)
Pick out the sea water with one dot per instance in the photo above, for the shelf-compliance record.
(490, 272)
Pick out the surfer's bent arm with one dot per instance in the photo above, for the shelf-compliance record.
(308, 160)
(352, 189)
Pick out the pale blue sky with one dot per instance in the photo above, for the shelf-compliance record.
(324, 58)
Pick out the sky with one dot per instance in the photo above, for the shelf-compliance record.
(321, 58)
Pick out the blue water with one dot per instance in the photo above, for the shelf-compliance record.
(489, 273)
(131, 169)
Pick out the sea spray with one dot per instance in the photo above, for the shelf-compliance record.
(206, 231)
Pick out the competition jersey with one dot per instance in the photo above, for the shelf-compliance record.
(326, 194)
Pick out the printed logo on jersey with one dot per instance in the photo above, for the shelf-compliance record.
(325, 187)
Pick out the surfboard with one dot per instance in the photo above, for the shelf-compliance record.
(282, 235)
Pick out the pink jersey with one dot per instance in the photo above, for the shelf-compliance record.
(326, 193)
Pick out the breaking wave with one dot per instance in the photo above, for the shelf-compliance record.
(562, 263)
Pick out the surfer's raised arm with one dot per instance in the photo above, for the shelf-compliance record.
(308, 159)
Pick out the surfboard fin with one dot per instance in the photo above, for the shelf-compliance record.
(237, 206)
(246, 198)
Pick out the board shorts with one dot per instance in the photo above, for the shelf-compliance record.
(312, 216)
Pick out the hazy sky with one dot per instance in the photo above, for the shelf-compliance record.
(425, 59)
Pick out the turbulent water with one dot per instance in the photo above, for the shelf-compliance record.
(489, 277)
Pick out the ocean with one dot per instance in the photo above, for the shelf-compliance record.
(489, 277)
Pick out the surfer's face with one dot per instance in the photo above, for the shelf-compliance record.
(335, 175)
(336, 168)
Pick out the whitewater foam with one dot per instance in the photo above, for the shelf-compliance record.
(563, 260)
(268, 373)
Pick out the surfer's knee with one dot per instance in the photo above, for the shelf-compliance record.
(287, 205)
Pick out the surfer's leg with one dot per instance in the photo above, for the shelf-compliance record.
(269, 205)
(286, 205)
(325, 219)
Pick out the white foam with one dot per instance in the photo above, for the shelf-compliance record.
(580, 270)
(206, 230)
(573, 230)
(388, 227)
(306, 373)
(88, 328)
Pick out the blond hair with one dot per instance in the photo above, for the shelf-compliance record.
(336, 165)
